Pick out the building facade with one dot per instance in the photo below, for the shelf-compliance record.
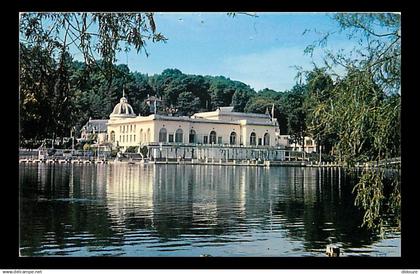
(310, 144)
(219, 134)
(96, 129)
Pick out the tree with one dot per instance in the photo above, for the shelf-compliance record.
(364, 110)
(187, 104)
(319, 95)
(293, 105)
(93, 34)
(240, 99)
(221, 92)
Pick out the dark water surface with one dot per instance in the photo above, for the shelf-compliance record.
(169, 210)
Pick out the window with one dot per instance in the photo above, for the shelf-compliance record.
(233, 138)
(141, 135)
(120, 138)
(162, 135)
(253, 139)
(259, 141)
(309, 142)
(123, 138)
(219, 140)
(112, 136)
(131, 128)
(213, 137)
(171, 138)
(192, 136)
(205, 139)
(178, 136)
(120, 129)
(130, 138)
(266, 139)
(134, 136)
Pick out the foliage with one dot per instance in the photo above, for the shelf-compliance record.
(319, 97)
(360, 110)
(87, 147)
(188, 104)
(293, 105)
(380, 197)
(93, 34)
(132, 149)
(144, 151)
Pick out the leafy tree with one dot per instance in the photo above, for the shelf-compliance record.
(221, 92)
(93, 34)
(319, 86)
(187, 104)
(293, 105)
(240, 99)
(364, 109)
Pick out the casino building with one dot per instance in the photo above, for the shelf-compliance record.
(220, 134)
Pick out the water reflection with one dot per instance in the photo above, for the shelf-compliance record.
(171, 210)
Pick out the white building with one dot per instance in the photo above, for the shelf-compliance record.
(196, 136)
(310, 144)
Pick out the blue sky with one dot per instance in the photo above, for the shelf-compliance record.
(259, 51)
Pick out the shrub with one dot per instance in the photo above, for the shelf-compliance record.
(132, 149)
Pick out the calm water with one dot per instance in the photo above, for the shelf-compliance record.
(152, 210)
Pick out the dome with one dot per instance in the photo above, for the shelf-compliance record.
(122, 110)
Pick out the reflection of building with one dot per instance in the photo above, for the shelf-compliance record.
(220, 128)
(96, 129)
(130, 192)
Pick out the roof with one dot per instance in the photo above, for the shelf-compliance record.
(122, 110)
(97, 125)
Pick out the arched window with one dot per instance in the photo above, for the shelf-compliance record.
(178, 136)
(112, 136)
(213, 137)
(148, 136)
(192, 136)
(266, 139)
(141, 136)
(162, 135)
(253, 139)
(233, 138)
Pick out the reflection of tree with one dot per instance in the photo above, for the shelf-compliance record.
(63, 207)
(323, 209)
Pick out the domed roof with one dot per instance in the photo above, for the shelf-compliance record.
(122, 110)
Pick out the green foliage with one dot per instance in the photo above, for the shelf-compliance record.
(87, 147)
(132, 149)
(379, 194)
(360, 111)
(293, 105)
(240, 98)
(188, 104)
(93, 34)
(144, 151)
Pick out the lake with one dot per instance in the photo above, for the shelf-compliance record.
(186, 210)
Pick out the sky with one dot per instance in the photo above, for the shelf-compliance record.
(260, 51)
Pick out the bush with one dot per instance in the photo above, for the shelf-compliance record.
(144, 151)
(132, 149)
(86, 147)
(114, 152)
